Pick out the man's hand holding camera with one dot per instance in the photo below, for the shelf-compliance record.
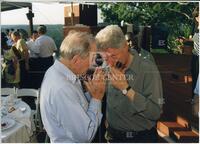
(117, 78)
(96, 85)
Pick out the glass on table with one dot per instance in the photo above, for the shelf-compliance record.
(10, 100)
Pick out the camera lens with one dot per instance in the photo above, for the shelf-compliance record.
(99, 59)
(119, 64)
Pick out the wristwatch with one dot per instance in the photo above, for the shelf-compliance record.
(125, 91)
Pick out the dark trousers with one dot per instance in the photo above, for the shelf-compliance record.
(194, 71)
(146, 136)
(24, 80)
(35, 73)
(38, 67)
(46, 62)
(34, 64)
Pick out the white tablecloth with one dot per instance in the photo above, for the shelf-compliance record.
(17, 134)
(24, 125)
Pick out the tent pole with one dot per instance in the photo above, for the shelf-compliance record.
(30, 16)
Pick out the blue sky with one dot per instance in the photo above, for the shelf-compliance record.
(45, 13)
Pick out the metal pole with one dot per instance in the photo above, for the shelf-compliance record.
(72, 14)
(30, 16)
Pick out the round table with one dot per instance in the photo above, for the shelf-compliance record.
(24, 126)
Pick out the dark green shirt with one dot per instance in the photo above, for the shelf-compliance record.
(143, 112)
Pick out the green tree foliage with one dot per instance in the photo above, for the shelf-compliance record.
(147, 13)
(177, 17)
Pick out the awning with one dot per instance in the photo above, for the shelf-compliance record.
(5, 6)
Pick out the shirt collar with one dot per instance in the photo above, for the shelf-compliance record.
(134, 66)
(65, 71)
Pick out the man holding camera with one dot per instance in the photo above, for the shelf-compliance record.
(69, 115)
(134, 96)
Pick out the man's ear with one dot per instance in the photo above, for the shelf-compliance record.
(76, 59)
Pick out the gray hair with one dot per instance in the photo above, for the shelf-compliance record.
(76, 43)
(110, 37)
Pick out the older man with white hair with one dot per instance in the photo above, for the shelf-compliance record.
(68, 114)
(134, 96)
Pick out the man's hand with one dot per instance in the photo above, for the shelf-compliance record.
(97, 85)
(117, 79)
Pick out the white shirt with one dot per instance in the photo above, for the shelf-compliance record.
(46, 46)
(66, 114)
(33, 49)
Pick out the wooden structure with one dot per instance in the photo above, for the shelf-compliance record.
(80, 17)
(177, 121)
(80, 14)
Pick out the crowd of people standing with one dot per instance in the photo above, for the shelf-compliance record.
(23, 57)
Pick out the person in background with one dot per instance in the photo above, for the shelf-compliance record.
(11, 70)
(22, 54)
(46, 46)
(33, 51)
(195, 51)
(134, 46)
(68, 114)
(7, 32)
(196, 99)
(134, 93)
(4, 46)
(9, 65)
(9, 41)
(23, 34)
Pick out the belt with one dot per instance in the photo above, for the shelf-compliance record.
(126, 134)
